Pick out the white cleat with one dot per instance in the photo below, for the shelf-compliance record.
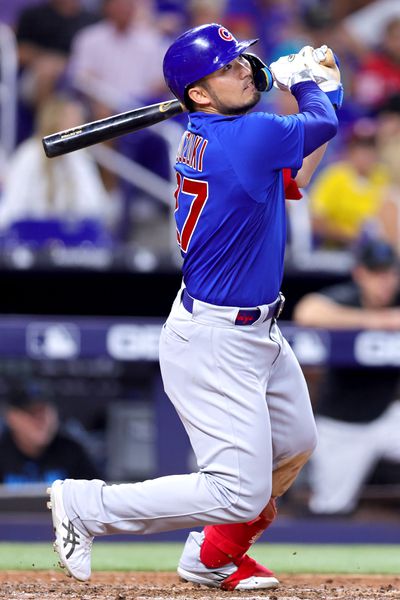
(72, 546)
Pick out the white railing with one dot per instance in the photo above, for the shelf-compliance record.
(133, 172)
(125, 167)
(144, 179)
(8, 91)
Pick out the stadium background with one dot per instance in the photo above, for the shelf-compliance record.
(80, 311)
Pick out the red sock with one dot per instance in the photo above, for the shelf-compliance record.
(227, 543)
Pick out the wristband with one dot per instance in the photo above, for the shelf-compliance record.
(336, 96)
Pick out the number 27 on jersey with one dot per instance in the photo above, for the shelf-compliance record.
(191, 196)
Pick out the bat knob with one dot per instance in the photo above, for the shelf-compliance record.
(319, 54)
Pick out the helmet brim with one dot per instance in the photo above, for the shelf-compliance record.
(246, 44)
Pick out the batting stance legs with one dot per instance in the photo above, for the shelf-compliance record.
(238, 437)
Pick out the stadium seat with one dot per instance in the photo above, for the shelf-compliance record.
(70, 233)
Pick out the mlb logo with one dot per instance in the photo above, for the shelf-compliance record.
(53, 340)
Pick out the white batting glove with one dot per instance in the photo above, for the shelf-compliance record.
(289, 70)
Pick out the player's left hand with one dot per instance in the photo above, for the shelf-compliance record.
(289, 70)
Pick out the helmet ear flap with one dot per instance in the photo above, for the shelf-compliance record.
(262, 75)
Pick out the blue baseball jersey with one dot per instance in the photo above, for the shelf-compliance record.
(230, 204)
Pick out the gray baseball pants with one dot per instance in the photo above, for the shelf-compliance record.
(244, 403)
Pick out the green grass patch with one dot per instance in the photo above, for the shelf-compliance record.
(282, 558)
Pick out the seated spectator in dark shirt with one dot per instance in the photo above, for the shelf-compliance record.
(44, 35)
(34, 448)
(358, 408)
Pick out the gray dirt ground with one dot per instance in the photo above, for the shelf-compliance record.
(165, 586)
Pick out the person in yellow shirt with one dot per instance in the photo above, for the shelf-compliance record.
(346, 195)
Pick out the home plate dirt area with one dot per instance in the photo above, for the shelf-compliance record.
(132, 585)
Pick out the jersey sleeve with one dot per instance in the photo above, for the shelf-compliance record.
(259, 144)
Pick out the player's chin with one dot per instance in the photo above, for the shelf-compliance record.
(255, 98)
(252, 101)
(245, 106)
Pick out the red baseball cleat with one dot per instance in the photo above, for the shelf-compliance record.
(250, 575)
(247, 574)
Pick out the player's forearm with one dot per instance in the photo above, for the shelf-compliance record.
(310, 163)
(317, 113)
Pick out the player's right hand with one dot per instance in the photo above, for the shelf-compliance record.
(325, 68)
(322, 63)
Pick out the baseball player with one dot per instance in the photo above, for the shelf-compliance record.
(230, 374)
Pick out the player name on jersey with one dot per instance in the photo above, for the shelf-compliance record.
(191, 150)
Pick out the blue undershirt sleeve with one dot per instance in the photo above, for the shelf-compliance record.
(317, 114)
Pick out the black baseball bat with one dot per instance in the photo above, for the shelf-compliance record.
(88, 134)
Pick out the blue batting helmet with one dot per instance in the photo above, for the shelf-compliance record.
(199, 52)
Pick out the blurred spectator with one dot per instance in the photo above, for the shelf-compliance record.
(320, 23)
(44, 34)
(117, 63)
(33, 447)
(367, 24)
(343, 8)
(67, 187)
(388, 130)
(379, 75)
(357, 408)
(286, 31)
(277, 24)
(389, 150)
(346, 195)
(171, 18)
(205, 11)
